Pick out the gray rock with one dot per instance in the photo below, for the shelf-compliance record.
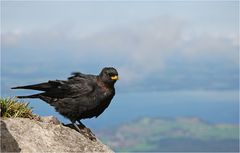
(50, 119)
(26, 135)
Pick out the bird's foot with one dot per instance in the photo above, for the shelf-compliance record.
(86, 132)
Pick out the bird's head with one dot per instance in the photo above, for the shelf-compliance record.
(109, 75)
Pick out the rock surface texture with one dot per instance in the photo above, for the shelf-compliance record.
(46, 135)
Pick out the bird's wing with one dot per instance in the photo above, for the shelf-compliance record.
(71, 88)
(75, 97)
(79, 87)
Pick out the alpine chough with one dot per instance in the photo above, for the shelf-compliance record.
(79, 97)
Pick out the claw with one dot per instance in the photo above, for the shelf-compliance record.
(81, 128)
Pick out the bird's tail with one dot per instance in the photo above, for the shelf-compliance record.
(42, 86)
(30, 96)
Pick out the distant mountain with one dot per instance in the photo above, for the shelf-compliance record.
(180, 134)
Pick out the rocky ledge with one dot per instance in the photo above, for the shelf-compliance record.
(45, 135)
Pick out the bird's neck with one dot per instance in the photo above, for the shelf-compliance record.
(100, 82)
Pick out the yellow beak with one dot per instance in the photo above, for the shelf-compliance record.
(114, 77)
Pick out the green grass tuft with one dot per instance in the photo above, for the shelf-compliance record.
(11, 108)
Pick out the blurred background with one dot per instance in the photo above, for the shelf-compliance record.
(178, 63)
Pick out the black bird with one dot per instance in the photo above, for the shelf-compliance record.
(81, 96)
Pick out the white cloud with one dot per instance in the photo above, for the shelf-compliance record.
(11, 38)
(139, 50)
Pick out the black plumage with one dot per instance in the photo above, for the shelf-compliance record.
(81, 96)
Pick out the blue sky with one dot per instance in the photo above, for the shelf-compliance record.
(177, 45)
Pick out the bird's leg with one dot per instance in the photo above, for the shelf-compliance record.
(81, 124)
(87, 131)
(84, 127)
(75, 125)
(81, 128)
